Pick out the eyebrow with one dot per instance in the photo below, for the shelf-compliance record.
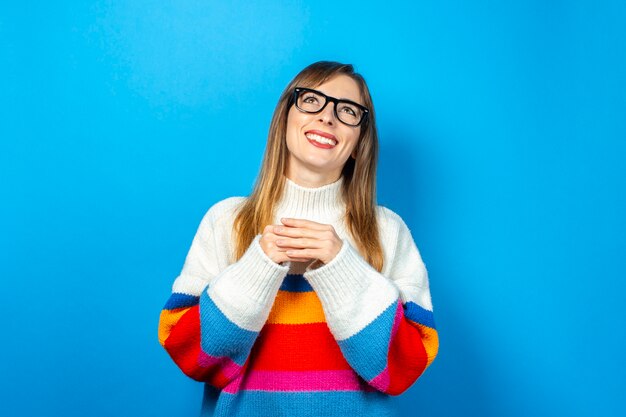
(340, 98)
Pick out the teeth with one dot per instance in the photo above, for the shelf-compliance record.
(321, 139)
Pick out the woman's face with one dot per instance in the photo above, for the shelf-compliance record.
(311, 161)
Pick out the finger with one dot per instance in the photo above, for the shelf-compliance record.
(300, 232)
(293, 258)
(284, 249)
(298, 243)
(301, 253)
(268, 239)
(298, 259)
(284, 257)
(287, 221)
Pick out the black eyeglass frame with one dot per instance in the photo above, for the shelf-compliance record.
(298, 90)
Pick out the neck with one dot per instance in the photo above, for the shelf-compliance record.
(312, 179)
(323, 204)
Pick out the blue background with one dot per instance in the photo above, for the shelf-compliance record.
(503, 139)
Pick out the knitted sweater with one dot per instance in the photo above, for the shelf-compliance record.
(271, 339)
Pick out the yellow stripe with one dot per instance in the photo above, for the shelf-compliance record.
(430, 338)
(296, 308)
(168, 319)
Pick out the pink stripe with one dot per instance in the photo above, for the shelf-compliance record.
(234, 385)
(382, 380)
(340, 380)
(226, 364)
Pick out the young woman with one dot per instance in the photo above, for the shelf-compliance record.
(305, 298)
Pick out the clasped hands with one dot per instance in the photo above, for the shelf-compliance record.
(300, 240)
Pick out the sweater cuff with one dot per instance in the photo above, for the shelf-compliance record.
(245, 291)
(351, 291)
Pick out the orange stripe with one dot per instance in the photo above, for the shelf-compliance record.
(430, 338)
(168, 319)
(296, 308)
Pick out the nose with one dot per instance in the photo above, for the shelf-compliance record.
(327, 115)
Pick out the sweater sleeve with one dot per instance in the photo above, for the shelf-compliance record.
(383, 323)
(213, 317)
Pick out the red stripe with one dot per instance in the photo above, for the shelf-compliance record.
(296, 347)
(407, 357)
(183, 345)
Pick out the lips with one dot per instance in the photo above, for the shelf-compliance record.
(321, 139)
(323, 134)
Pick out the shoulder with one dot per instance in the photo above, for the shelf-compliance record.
(216, 227)
(397, 240)
(219, 218)
(223, 210)
(389, 222)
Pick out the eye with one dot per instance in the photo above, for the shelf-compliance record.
(348, 109)
(310, 98)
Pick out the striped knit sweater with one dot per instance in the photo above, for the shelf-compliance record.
(272, 339)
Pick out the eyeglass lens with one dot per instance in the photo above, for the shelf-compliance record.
(312, 102)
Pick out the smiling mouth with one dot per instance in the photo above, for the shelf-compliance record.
(321, 139)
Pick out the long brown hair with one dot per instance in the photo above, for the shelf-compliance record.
(359, 174)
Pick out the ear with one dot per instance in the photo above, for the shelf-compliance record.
(355, 151)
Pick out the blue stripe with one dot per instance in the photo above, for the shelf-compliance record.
(366, 351)
(296, 283)
(419, 314)
(179, 300)
(221, 337)
(301, 404)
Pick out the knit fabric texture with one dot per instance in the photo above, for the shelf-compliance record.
(271, 339)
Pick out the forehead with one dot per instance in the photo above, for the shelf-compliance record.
(341, 86)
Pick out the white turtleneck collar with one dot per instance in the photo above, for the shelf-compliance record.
(320, 204)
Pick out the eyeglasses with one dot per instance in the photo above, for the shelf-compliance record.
(348, 112)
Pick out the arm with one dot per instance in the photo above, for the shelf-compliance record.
(383, 323)
(213, 316)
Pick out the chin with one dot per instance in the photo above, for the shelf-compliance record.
(321, 165)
